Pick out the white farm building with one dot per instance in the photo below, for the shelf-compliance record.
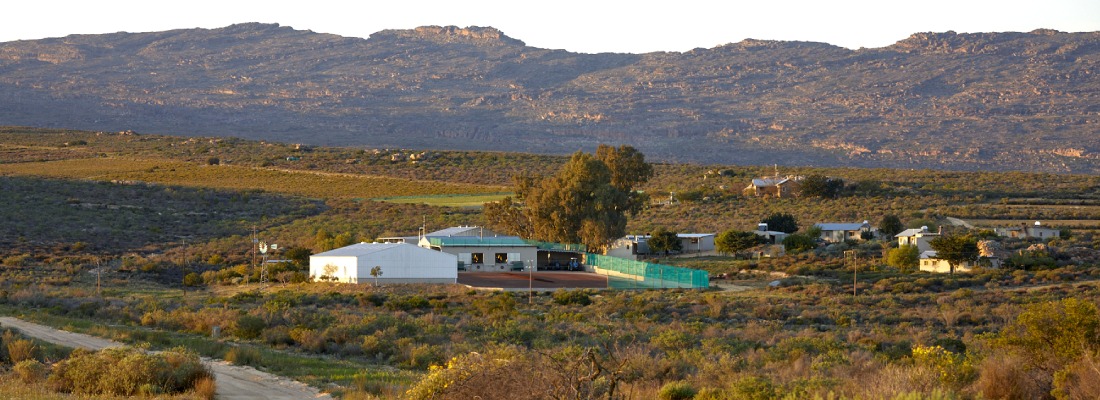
(398, 262)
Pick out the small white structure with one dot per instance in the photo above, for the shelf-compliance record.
(632, 246)
(917, 237)
(772, 237)
(696, 242)
(398, 262)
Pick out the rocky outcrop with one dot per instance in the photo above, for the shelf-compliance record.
(1010, 101)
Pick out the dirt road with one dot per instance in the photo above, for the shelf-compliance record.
(233, 382)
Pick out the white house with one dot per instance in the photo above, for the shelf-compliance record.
(917, 237)
(398, 263)
(632, 246)
(696, 242)
(1024, 231)
(839, 232)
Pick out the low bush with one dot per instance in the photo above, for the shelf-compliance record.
(30, 371)
(678, 390)
(567, 297)
(127, 372)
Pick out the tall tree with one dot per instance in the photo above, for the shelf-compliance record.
(662, 240)
(628, 170)
(821, 186)
(891, 225)
(781, 222)
(587, 201)
(956, 249)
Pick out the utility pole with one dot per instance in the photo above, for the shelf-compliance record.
(530, 282)
(850, 259)
(98, 269)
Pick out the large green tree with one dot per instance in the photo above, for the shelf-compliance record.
(891, 225)
(781, 222)
(956, 249)
(662, 240)
(905, 257)
(587, 201)
(821, 186)
(734, 241)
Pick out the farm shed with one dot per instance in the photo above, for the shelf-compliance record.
(399, 263)
(475, 253)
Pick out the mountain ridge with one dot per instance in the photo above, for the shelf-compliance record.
(1009, 101)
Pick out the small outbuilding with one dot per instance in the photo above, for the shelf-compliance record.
(396, 262)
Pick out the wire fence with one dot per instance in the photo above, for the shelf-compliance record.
(630, 274)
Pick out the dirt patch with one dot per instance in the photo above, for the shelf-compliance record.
(538, 280)
(233, 381)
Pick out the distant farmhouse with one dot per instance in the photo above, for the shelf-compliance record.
(774, 186)
(838, 232)
(772, 237)
(633, 247)
(917, 237)
(1025, 231)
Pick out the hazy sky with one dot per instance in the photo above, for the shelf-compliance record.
(590, 26)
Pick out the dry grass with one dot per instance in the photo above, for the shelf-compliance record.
(205, 388)
(303, 183)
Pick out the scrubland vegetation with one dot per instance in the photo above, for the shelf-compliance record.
(173, 261)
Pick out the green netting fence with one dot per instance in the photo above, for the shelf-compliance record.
(629, 274)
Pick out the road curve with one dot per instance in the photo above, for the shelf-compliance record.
(234, 382)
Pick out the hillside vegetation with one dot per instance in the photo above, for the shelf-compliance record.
(147, 239)
(980, 101)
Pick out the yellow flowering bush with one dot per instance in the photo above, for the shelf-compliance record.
(954, 370)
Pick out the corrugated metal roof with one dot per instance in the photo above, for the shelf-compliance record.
(470, 241)
(693, 235)
(763, 182)
(852, 226)
(915, 232)
(457, 231)
(360, 249)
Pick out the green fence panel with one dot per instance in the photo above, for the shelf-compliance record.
(648, 275)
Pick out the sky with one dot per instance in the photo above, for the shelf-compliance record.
(591, 26)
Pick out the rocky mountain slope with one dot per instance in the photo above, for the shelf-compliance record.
(1011, 101)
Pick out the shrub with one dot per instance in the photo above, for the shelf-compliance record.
(797, 243)
(678, 390)
(128, 371)
(249, 327)
(754, 388)
(192, 279)
(29, 371)
(567, 297)
(205, 388)
(20, 350)
(243, 356)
